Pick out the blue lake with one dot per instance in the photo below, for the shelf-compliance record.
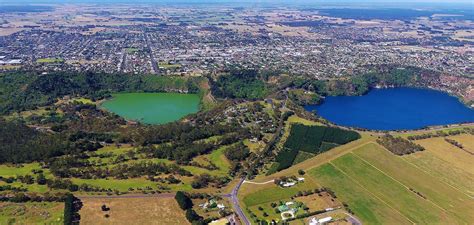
(394, 109)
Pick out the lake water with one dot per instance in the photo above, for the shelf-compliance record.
(153, 108)
(394, 109)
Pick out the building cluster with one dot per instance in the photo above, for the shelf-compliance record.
(195, 42)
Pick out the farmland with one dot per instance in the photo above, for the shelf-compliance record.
(377, 175)
(449, 153)
(146, 210)
(434, 186)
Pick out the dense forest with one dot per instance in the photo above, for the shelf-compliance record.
(243, 84)
(21, 143)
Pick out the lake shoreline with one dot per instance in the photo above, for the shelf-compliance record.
(374, 122)
(152, 108)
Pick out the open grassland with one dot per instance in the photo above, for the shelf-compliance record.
(218, 158)
(50, 60)
(452, 201)
(443, 170)
(148, 210)
(19, 170)
(467, 140)
(382, 188)
(366, 206)
(413, 207)
(453, 155)
(31, 213)
(129, 184)
(255, 194)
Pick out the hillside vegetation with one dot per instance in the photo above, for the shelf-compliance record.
(23, 91)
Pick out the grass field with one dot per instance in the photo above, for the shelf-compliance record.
(382, 188)
(255, 194)
(50, 60)
(443, 170)
(169, 66)
(131, 50)
(466, 140)
(152, 210)
(449, 153)
(31, 213)
(7, 170)
(385, 188)
(367, 207)
(437, 192)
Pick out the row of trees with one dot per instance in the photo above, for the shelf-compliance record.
(186, 204)
(466, 130)
(72, 205)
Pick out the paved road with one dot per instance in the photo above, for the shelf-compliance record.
(235, 202)
(153, 62)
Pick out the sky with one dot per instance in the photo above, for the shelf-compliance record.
(388, 3)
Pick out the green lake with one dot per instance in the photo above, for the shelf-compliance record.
(153, 108)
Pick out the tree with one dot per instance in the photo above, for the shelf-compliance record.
(237, 152)
(301, 172)
(192, 216)
(41, 179)
(183, 200)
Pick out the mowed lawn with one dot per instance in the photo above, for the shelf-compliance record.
(147, 210)
(376, 184)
